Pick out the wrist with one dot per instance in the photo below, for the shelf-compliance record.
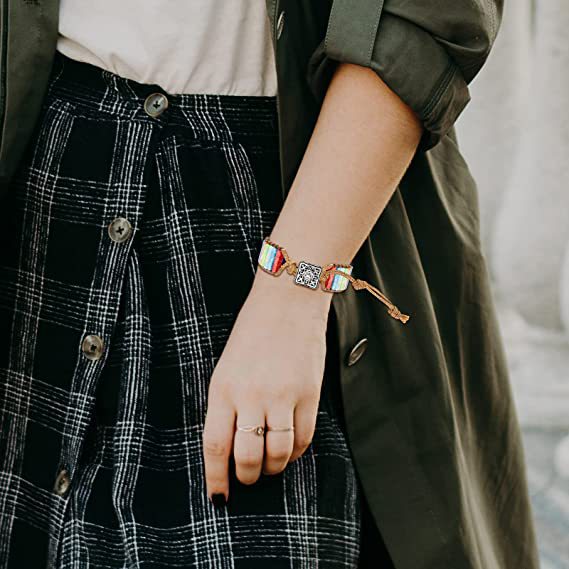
(283, 289)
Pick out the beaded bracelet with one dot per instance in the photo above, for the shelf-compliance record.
(335, 277)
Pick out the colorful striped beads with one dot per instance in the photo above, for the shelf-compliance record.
(271, 258)
(337, 283)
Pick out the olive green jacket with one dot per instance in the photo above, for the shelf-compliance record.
(429, 410)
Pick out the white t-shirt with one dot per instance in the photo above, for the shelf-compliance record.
(185, 46)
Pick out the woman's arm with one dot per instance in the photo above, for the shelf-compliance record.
(362, 144)
(271, 369)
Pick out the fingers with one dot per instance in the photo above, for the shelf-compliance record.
(278, 444)
(248, 447)
(219, 428)
(253, 453)
(305, 414)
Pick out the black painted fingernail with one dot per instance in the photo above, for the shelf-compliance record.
(218, 500)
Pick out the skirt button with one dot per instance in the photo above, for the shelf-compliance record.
(155, 104)
(92, 346)
(62, 482)
(120, 229)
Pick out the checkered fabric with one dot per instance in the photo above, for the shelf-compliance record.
(199, 187)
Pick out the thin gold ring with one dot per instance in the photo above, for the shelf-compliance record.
(280, 428)
(257, 429)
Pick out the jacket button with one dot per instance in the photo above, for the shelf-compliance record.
(155, 104)
(357, 352)
(120, 229)
(280, 24)
(92, 346)
(62, 482)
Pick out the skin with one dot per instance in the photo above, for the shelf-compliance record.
(361, 146)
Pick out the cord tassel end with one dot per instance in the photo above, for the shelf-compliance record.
(392, 310)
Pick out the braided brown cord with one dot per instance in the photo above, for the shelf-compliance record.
(291, 267)
(360, 284)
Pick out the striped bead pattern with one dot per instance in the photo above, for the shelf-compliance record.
(271, 258)
(337, 283)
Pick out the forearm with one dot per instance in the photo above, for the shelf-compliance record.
(361, 146)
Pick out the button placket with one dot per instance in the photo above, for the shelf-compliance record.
(117, 220)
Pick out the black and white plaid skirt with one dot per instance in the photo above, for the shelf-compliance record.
(128, 212)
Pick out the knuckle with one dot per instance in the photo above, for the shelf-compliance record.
(247, 461)
(277, 394)
(214, 448)
(216, 484)
(278, 455)
(311, 392)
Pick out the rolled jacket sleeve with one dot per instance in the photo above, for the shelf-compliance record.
(426, 51)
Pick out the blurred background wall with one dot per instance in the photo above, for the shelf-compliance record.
(515, 136)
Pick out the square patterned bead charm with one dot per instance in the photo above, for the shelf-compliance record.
(308, 275)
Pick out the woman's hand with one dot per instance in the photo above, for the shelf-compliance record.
(270, 373)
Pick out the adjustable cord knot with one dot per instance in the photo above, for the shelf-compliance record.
(392, 310)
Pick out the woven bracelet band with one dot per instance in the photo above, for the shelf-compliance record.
(334, 277)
